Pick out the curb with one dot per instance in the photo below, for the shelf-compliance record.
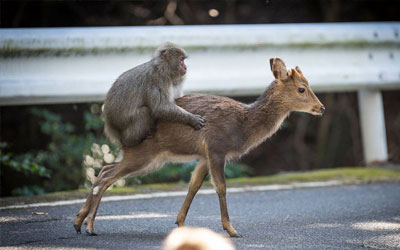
(182, 194)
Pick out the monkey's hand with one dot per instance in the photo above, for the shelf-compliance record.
(198, 122)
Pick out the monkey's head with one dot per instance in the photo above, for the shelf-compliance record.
(172, 55)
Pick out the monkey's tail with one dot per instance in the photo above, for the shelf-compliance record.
(112, 134)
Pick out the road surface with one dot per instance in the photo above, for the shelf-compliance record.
(344, 217)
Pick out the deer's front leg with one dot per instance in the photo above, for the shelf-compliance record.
(198, 176)
(217, 171)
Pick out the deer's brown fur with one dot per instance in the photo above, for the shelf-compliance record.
(232, 129)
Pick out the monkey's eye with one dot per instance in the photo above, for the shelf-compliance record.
(302, 90)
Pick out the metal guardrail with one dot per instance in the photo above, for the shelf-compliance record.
(69, 65)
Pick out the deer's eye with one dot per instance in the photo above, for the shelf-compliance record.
(302, 90)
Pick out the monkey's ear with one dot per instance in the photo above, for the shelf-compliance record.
(278, 68)
(164, 54)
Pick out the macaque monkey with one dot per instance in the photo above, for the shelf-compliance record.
(145, 94)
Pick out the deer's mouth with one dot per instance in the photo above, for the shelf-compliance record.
(317, 112)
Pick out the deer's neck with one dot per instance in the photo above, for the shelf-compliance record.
(265, 116)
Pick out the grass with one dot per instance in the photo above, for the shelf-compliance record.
(348, 175)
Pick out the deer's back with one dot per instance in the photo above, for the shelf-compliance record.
(212, 107)
(225, 119)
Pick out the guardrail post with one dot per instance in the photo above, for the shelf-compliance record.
(372, 125)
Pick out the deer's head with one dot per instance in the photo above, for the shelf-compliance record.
(293, 89)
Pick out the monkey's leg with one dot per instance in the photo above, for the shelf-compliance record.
(140, 127)
(152, 131)
(216, 164)
(198, 176)
(85, 209)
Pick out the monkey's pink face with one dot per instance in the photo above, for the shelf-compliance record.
(182, 65)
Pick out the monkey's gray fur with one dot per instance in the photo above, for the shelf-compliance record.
(145, 94)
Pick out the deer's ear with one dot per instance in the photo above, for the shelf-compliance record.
(278, 68)
(299, 70)
(271, 62)
(294, 74)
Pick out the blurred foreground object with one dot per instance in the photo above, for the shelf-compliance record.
(186, 238)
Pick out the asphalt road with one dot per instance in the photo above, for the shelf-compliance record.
(346, 217)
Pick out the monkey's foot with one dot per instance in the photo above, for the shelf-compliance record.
(77, 228)
(90, 232)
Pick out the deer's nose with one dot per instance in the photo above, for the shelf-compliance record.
(322, 109)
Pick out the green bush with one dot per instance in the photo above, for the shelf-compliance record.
(102, 155)
(64, 153)
(25, 164)
(27, 190)
(60, 164)
(183, 172)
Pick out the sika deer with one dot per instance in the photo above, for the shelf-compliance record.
(232, 129)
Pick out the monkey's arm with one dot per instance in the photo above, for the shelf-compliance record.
(163, 109)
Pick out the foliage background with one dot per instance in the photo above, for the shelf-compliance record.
(71, 160)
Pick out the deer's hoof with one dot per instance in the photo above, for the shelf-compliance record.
(90, 232)
(180, 224)
(235, 235)
(77, 228)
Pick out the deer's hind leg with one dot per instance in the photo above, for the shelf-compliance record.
(130, 164)
(198, 176)
(80, 217)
